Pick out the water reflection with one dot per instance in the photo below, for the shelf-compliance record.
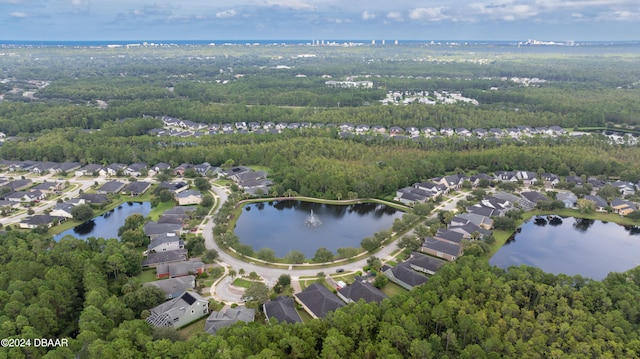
(281, 225)
(107, 224)
(572, 246)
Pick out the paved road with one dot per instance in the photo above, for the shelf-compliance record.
(80, 184)
(270, 275)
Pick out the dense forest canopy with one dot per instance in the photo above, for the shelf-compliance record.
(80, 289)
(96, 105)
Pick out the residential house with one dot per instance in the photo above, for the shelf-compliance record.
(19, 185)
(479, 220)
(165, 242)
(575, 180)
(24, 196)
(63, 210)
(43, 167)
(174, 287)
(159, 168)
(550, 179)
(94, 198)
(189, 197)
(452, 182)
(623, 207)
(484, 211)
(379, 129)
(137, 188)
(480, 132)
(441, 249)
(449, 236)
(395, 131)
(180, 311)
(90, 169)
(468, 230)
(179, 171)
(425, 264)
(160, 258)
(601, 203)
(534, 196)
(412, 195)
(568, 198)
(527, 177)
(154, 230)
(174, 187)
(111, 187)
(205, 169)
(179, 269)
(506, 176)
(318, 301)
(40, 220)
(49, 187)
(461, 131)
(404, 276)
(231, 316)
(135, 169)
(625, 188)
(475, 179)
(114, 169)
(65, 167)
(283, 309)
(447, 131)
(360, 289)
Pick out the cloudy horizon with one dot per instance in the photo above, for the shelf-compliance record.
(579, 20)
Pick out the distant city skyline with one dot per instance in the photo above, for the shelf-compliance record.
(509, 20)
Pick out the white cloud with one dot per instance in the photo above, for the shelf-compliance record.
(395, 16)
(504, 10)
(19, 14)
(429, 14)
(366, 15)
(291, 4)
(620, 15)
(226, 14)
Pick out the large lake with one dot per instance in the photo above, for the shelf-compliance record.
(281, 225)
(572, 246)
(106, 225)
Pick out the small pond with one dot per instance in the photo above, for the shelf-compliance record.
(281, 225)
(106, 225)
(572, 246)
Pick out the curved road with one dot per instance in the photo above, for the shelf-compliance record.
(270, 275)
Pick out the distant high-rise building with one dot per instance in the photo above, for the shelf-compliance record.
(373, 42)
(383, 42)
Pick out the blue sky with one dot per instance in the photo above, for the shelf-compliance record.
(320, 19)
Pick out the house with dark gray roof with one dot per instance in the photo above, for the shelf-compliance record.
(49, 187)
(231, 316)
(174, 287)
(135, 169)
(180, 311)
(90, 169)
(441, 249)
(404, 276)
(568, 198)
(601, 203)
(189, 197)
(154, 229)
(360, 289)
(158, 258)
(449, 235)
(534, 196)
(19, 185)
(318, 301)
(94, 198)
(425, 264)
(179, 269)
(283, 309)
(137, 188)
(165, 242)
(41, 220)
(111, 187)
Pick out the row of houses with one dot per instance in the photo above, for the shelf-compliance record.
(422, 192)
(184, 128)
